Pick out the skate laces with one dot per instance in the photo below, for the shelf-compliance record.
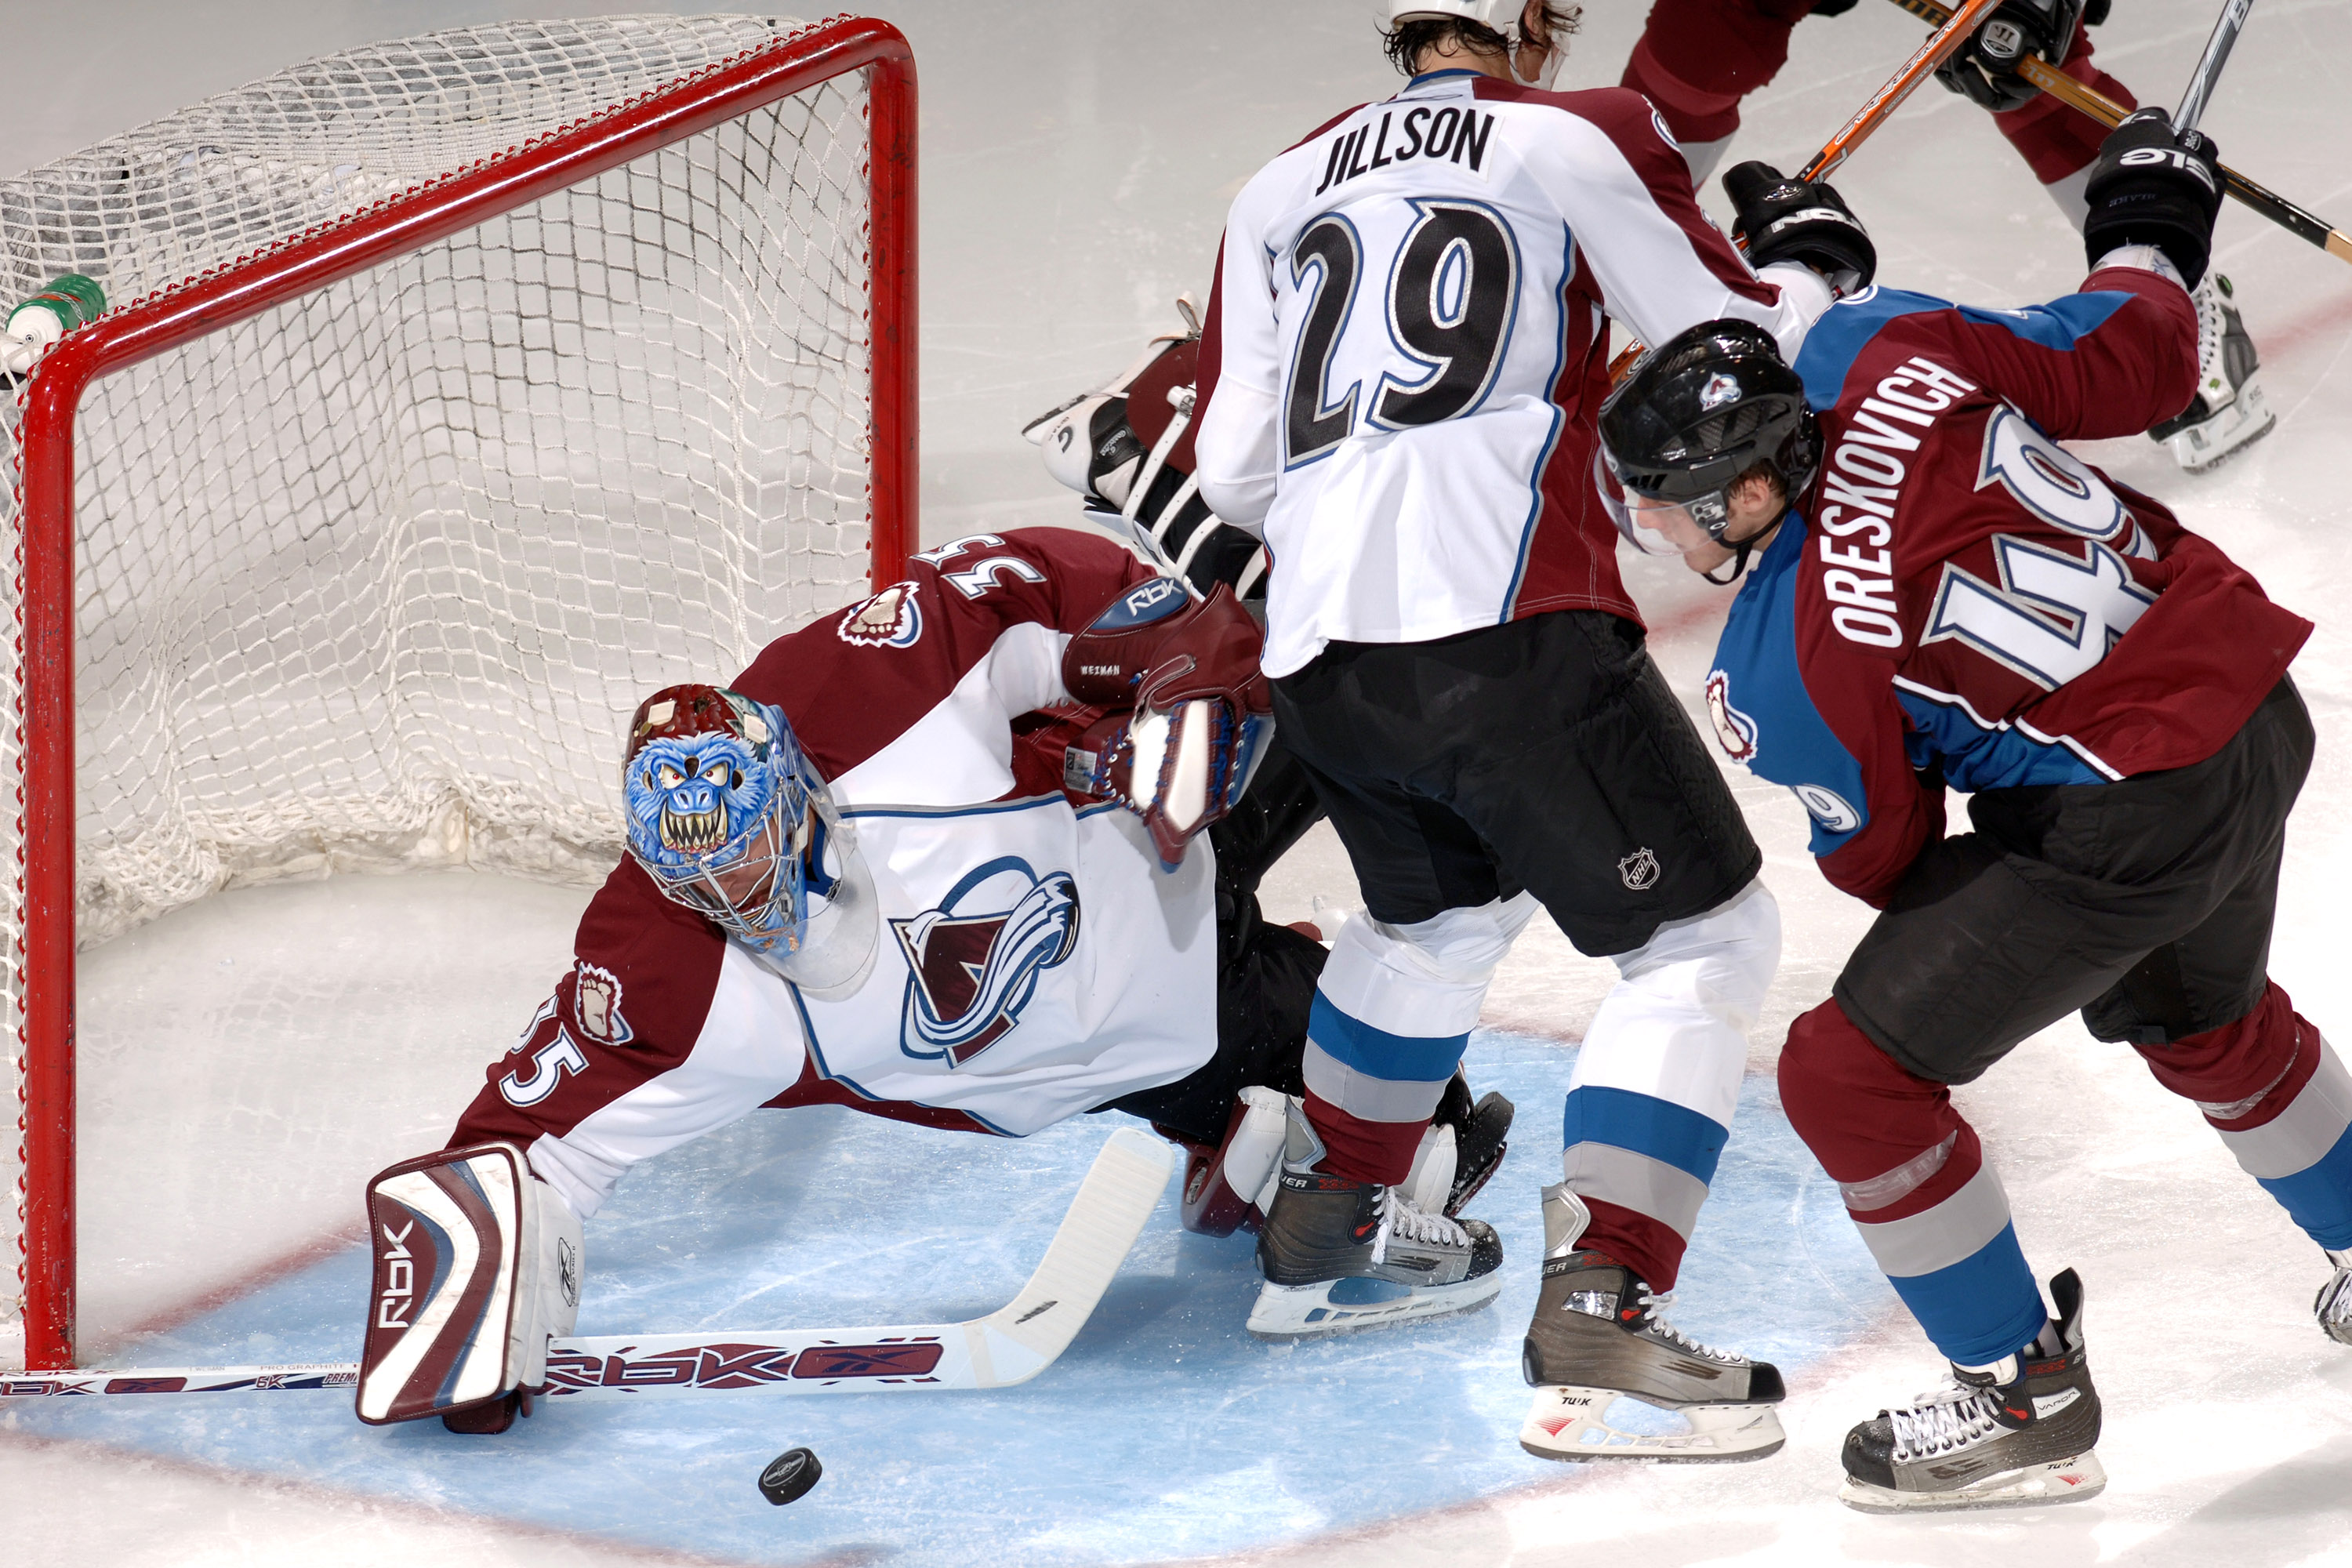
(1654, 1303)
(1398, 1217)
(1943, 1419)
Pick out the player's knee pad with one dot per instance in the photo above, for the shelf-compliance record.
(1426, 979)
(478, 1264)
(1855, 1107)
(1675, 1025)
(1229, 1188)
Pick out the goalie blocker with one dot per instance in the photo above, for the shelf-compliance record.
(477, 1266)
(1198, 714)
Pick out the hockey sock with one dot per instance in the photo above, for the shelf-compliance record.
(1916, 1182)
(2282, 1101)
(1370, 1094)
(1697, 59)
(1653, 1251)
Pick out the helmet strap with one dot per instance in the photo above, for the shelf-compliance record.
(1738, 565)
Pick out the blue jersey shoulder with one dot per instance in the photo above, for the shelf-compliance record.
(1846, 328)
(1762, 712)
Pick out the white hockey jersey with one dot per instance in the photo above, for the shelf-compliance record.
(1033, 961)
(1407, 348)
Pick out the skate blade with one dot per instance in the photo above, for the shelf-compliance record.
(1308, 1311)
(2246, 420)
(1572, 1424)
(2036, 1486)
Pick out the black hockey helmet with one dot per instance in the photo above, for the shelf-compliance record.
(1701, 409)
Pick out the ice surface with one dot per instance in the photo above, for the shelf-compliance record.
(1165, 1430)
(1077, 159)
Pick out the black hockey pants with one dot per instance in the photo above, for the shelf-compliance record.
(2147, 903)
(1545, 754)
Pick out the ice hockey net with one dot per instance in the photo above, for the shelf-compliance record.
(454, 392)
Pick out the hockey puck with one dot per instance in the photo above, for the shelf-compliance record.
(789, 1475)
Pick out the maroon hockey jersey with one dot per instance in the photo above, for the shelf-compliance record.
(1961, 599)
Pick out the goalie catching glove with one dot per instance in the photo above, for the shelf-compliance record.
(1201, 712)
(477, 1266)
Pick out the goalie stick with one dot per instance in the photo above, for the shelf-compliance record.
(1010, 1345)
(2307, 226)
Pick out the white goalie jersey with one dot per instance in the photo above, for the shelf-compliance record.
(1408, 346)
(1031, 961)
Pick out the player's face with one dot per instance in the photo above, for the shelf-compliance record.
(1671, 522)
(1752, 510)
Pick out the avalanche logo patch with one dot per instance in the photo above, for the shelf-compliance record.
(1720, 388)
(973, 962)
(596, 1003)
(890, 619)
(1735, 732)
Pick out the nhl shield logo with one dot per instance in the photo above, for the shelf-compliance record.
(1638, 870)
(973, 962)
(1720, 388)
(890, 619)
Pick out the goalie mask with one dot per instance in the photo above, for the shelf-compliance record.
(730, 819)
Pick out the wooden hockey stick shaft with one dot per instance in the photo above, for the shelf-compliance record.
(1948, 36)
(2088, 101)
(1010, 1345)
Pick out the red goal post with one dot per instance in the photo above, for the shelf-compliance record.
(289, 270)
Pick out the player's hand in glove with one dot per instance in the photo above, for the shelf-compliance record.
(2152, 187)
(1201, 712)
(1781, 219)
(1985, 66)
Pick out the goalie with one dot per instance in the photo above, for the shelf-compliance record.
(928, 858)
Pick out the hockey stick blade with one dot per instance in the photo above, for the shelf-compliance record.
(1010, 1345)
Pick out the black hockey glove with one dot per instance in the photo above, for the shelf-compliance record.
(1984, 67)
(1832, 7)
(1781, 219)
(2152, 187)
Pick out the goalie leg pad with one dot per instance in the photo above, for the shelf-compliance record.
(1231, 1191)
(477, 1263)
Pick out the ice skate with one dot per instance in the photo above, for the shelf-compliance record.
(2229, 411)
(2334, 1307)
(1599, 1336)
(1342, 1255)
(2015, 1435)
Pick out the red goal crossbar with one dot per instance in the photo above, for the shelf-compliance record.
(383, 232)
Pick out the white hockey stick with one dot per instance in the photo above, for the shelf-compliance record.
(1011, 1344)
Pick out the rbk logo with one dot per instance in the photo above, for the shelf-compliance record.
(399, 1292)
(972, 963)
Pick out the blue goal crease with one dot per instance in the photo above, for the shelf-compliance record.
(825, 1217)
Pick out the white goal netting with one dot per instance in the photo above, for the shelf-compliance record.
(375, 579)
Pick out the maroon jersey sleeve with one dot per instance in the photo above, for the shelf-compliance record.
(629, 1009)
(853, 682)
(1903, 810)
(2112, 359)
